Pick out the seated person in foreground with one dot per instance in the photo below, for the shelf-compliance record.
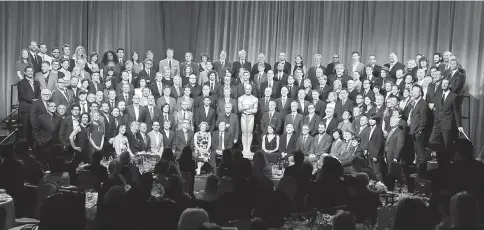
(287, 143)
(57, 172)
(270, 145)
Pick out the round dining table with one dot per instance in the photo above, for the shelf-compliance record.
(6, 202)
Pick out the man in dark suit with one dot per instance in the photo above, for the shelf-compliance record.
(188, 62)
(322, 87)
(241, 63)
(270, 83)
(205, 113)
(134, 138)
(195, 89)
(157, 86)
(417, 122)
(183, 138)
(231, 122)
(34, 58)
(125, 96)
(222, 65)
(145, 139)
(168, 135)
(375, 146)
(279, 75)
(73, 88)
(330, 69)
(294, 118)
(39, 107)
(133, 77)
(67, 126)
(312, 120)
(148, 73)
(319, 105)
(457, 80)
(198, 101)
(120, 54)
(62, 96)
(394, 65)
(322, 141)
(28, 92)
(220, 140)
(286, 65)
(262, 61)
(344, 104)
(287, 142)
(394, 143)
(339, 75)
(447, 124)
(330, 121)
(363, 132)
(212, 83)
(136, 112)
(312, 70)
(304, 143)
(292, 88)
(46, 133)
(283, 104)
(366, 90)
(273, 118)
(153, 113)
(372, 63)
(226, 99)
(263, 104)
(124, 80)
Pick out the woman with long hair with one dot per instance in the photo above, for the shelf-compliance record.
(137, 65)
(187, 168)
(210, 192)
(368, 104)
(93, 60)
(262, 171)
(96, 135)
(203, 61)
(176, 192)
(270, 145)
(23, 61)
(79, 138)
(120, 142)
(79, 55)
(331, 101)
(110, 60)
(202, 144)
(142, 84)
(188, 71)
(299, 64)
(411, 213)
(308, 88)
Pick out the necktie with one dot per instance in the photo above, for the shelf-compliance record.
(126, 97)
(259, 77)
(116, 121)
(304, 140)
(270, 84)
(242, 63)
(220, 141)
(148, 72)
(283, 103)
(443, 98)
(184, 115)
(267, 101)
(293, 117)
(112, 104)
(151, 112)
(211, 86)
(169, 64)
(270, 117)
(185, 135)
(166, 117)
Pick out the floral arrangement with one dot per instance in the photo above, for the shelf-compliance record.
(320, 221)
(377, 187)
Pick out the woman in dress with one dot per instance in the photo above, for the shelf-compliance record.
(110, 60)
(79, 55)
(23, 61)
(137, 65)
(423, 63)
(204, 74)
(331, 101)
(299, 64)
(307, 86)
(142, 84)
(368, 106)
(202, 144)
(79, 138)
(337, 142)
(203, 61)
(120, 142)
(186, 76)
(96, 135)
(270, 145)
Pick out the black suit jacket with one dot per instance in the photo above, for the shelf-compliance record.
(394, 69)
(36, 109)
(376, 143)
(283, 79)
(312, 74)
(276, 89)
(255, 69)
(168, 142)
(228, 140)
(447, 114)
(65, 130)
(394, 145)
(330, 68)
(418, 116)
(134, 141)
(287, 67)
(149, 78)
(285, 147)
(47, 129)
(287, 106)
(26, 94)
(36, 63)
(200, 116)
(333, 124)
(276, 121)
(237, 65)
(120, 97)
(154, 90)
(457, 81)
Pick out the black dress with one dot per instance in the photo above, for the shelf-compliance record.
(271, 145)
(82, 141)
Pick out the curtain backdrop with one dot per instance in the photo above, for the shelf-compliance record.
(303, 28)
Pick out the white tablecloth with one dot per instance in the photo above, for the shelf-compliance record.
(6, 202)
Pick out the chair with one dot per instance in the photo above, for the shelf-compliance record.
(43, 191)
(3, 216)
(63, 211)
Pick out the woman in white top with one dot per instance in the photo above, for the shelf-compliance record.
(331, 102)
(144, 97)
(337, 86)
(142, 84)
(120, 142)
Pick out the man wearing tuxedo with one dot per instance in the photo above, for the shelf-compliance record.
(46, 79)
(170, 63)
(286, 65)
(262, 62)
(62, 96)
(222, 65)
(183, 138)
(28, 92)
(447, 124)
(221, 140)
(34, 58)
(280, 76)
(270, 83)
(241, 63)
(312, 74)
(394, 65)
(356, 65)
(417, 122)
(294, 118)
(231, 122)
(330, 69)
(271, 117)
(148, 73)
(193, 65)
(375, 146)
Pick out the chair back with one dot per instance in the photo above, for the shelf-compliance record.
(43, 191)
(87, 179)
(3, 217)
(63, 211)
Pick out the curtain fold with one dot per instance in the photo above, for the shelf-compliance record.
(269, 27)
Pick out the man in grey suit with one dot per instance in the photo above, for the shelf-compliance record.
(222, 65)
(170, 63)
(46, 78)
(183, 138)
(394, 143)
(304, 143)
(62, 96)
(182, 115)
(188, 62)
(322, 142)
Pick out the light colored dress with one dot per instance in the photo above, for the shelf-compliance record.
(202, 142)
(120, 144)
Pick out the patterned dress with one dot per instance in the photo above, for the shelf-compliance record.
(202, 142)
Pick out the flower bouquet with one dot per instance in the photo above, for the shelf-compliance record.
(377, 187)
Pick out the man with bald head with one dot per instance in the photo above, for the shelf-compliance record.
(136, 112)
(286, 64)
(261, 61)
(312, 70)
(39, 107)
(393, 65)
(241, 63)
